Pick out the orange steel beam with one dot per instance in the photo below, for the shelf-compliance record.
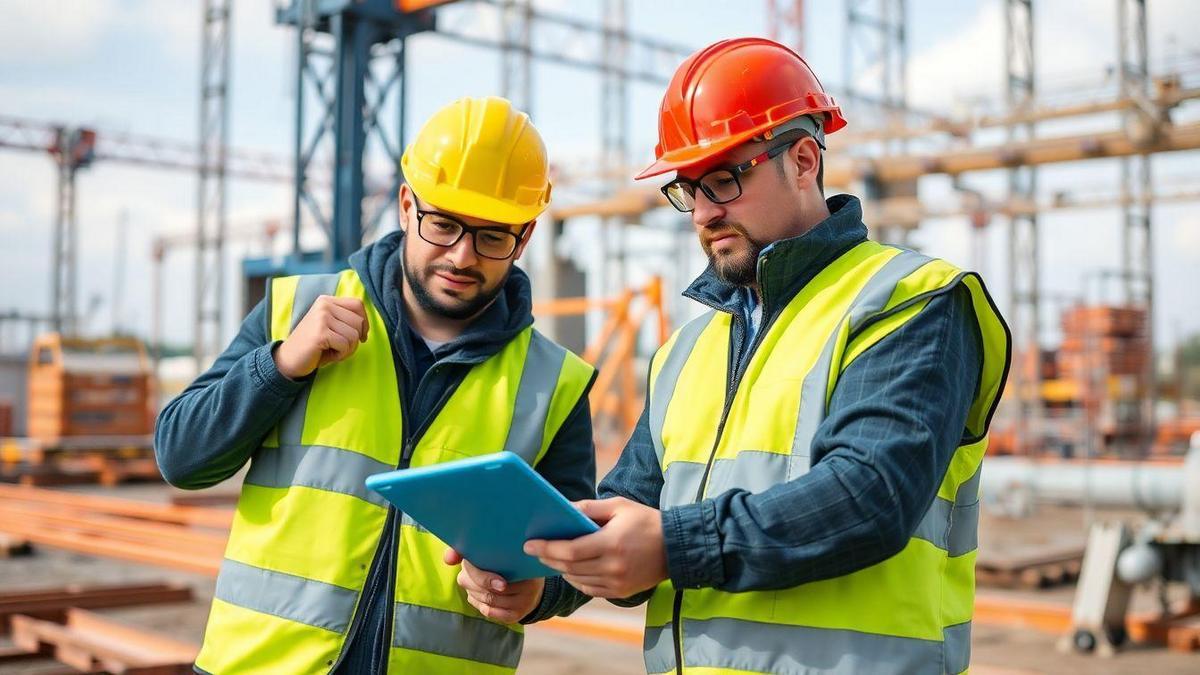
(1045, 617)
(618, 311)
(1030, 153)
(843, 170)
(562, 306)
(120, 529)
(91, 544)
(1168, 99)
(600, 630)
(191, 515)
(654, 295)
(910, 211)
(618, 357)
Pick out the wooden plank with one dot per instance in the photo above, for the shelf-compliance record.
(116, 527)
(16, 654)
(191, 515)
(51, 604)
(87, 641)
(92, 544)
(150, 647)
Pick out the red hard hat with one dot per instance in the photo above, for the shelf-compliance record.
(730, 92)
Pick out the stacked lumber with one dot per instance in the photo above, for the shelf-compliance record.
(189, 538)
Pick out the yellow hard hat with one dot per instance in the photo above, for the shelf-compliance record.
(480, 157)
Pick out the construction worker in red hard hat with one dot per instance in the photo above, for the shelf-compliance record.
(801, 492)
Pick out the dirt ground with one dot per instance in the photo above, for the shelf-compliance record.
(995, 651)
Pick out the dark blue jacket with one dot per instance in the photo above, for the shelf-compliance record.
(895, 419)
(209, 431)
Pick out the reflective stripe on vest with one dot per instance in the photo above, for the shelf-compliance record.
(306, 528)
(747, 646)
(865, 295)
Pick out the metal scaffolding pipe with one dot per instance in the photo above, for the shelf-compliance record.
(1152, 487)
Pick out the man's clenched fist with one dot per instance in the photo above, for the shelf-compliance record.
(328, 333)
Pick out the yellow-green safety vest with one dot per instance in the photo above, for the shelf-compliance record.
(306, 529)
(908, 614)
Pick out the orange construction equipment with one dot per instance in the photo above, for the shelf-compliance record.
(615, 399)
(730, 92)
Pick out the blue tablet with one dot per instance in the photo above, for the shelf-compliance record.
(486, 508)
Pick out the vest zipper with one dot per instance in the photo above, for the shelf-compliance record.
(389, 521)
(406, 452)
(738, 369)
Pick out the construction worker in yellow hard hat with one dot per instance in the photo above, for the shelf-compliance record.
(422, 352)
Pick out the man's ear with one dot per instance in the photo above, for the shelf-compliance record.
(405, 204)
(805, 154)
(525, 239)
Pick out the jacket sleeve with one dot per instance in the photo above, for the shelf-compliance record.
(638, 477)
(635, 476)
(895, 419)
(207, 433)
(570, 466)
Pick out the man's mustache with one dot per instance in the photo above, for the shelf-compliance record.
(450, 269)
(722, 229)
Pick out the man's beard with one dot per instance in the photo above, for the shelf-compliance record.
(739, 268)
(455, 311)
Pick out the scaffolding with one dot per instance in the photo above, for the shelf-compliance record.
(211, 207)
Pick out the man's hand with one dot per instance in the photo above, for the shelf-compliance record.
(329, 332)
(625, 557)
(495, 598)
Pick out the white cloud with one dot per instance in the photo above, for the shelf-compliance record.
(52, 31)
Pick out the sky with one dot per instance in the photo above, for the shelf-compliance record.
(133, 66)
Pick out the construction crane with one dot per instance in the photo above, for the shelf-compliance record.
(74, 148)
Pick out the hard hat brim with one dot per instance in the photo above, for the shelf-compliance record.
(468, 203)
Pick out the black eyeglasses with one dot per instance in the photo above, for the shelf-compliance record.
(440, 229)
(720, 186)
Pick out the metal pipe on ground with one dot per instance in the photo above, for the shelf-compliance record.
(1122, 485)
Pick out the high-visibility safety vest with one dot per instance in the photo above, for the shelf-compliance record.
(306, 529)
(908, 614)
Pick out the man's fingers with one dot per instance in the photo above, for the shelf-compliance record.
(336, 342)
(568, 550)
(485, 579)
(469, 584)
(599, 510)
(356, 321)
(493, 613)
(452, 557)
(353, 304)
(603, 567)
(344, 329)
